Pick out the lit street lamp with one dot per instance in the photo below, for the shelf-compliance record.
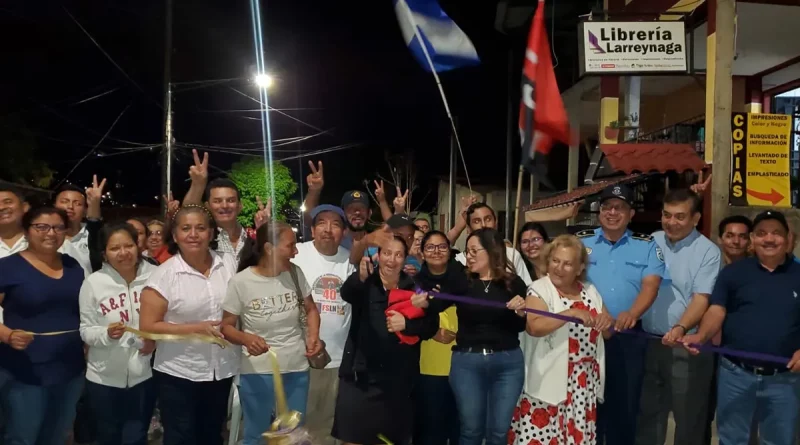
(264, 80)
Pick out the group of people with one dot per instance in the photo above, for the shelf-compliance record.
(393, 334)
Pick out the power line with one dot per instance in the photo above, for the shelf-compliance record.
(275, 109)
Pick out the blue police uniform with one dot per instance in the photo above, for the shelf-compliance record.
(617, 270)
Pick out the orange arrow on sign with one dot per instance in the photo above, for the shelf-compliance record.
(773, 196)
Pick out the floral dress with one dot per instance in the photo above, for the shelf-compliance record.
(573, 421)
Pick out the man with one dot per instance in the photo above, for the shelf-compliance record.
(72, 200)
(479, 216)
(325, 264)
(423, 222)
(357, 212)
(626, 268)
(13, 206)
(755, 304)
(223, 199)
(674, 380)
(734, 238)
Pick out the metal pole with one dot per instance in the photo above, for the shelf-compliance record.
(166, 153)
(451, 203)
(509, 143)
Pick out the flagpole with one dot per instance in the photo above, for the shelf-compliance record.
(439, 85)
(519, 199)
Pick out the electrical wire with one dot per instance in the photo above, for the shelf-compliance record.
(84, 127)
(97, 96)
(275, 109)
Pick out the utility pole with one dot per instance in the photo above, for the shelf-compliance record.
(723, 86)
(166, 153)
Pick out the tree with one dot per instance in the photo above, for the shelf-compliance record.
(252, 178)
(21, 164)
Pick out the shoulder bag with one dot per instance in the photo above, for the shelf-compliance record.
(321, 360)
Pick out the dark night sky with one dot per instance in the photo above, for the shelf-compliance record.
(345, 61)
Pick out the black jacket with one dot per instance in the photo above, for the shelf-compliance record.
(371, 351)
(453, 281)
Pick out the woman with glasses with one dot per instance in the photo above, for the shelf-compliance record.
(532, 239)
(121, 391)
(39, 290)
(156, 246)
(487, 368)
(436, 414)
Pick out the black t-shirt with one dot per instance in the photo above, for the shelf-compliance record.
(488, 327)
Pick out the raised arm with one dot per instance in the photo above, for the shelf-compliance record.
(199, 176)
(380, 195)
(461, 220)
(315, 181)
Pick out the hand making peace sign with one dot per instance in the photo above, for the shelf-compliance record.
(264, 212)
(95, 193)
(199, 171)
(400, 201)
(315, 179)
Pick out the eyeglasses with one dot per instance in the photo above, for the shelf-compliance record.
(154, 232)
(45, 228)
(534, 240)
(430, 248)
(474, 252)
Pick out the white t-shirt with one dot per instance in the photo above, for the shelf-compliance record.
(268, 307)
(78, 248)
(325, 275)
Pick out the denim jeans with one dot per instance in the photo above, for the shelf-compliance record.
(616, 417)
(192, 413)
(257, 392)
(774, 400)
(435, 411)
(486, 388)
(122, 414)
(41, 415)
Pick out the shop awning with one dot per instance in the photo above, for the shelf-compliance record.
(647, 158)
(566, 205)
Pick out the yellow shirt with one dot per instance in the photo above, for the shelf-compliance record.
(435, 356)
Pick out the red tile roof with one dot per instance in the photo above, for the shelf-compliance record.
(646, 158)
(578, 194)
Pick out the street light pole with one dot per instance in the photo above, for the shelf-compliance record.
(166, 153)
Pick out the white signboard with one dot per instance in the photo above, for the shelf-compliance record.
(632, 47)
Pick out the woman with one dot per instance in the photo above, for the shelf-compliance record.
(39, 290)
(263, 298)
(487, 369)
(184, 296)
(436, 414)
(157, 249)
(532, 240)
(119, 384)
(566, 369)
(377, 371)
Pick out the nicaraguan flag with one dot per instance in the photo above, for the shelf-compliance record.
(447, 45)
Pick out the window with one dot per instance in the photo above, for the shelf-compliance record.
(789, 103)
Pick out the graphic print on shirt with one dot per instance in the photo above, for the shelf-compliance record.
(266, 307)
(326, 292)
(119, 303)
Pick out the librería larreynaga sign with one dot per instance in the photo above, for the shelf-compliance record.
(633, 47)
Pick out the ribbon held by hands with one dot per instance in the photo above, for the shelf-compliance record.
(176, 338)
(708, 347)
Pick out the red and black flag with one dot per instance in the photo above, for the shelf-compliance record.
(542, 117)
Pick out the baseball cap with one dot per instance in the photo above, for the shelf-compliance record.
(326, 208)
(422, 216)
(354, 196)
(618, 191)
(399, 220)
(773, 215)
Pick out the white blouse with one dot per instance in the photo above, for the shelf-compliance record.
(547, 358)
(192, 298)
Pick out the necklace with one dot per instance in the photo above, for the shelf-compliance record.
(486, 286)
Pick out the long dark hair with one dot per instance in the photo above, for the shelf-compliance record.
(537, 228)
(495, 246)
(172, 246)
(268, 233)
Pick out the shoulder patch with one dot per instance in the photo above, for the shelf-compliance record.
(642, 237)
(585, 233)
(659, 254)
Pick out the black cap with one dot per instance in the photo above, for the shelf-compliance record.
(618, 191)
(399, 220)
(771, 214)
(354, 196)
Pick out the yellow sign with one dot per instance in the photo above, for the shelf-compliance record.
(760, 160)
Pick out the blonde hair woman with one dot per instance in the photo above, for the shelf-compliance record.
(565, 368)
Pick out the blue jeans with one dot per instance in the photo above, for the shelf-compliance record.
(257, 393)
(435, 411)
(616, 416)
(122, 414)
(774, 400)
(486, 388)
(41, 415)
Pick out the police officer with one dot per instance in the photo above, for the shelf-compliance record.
(626, 268)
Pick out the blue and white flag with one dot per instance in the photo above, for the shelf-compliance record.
(447, 45)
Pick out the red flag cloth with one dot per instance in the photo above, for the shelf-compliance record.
(542, 117)
(400, 301)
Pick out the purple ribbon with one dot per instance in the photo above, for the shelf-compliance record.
(708, 347)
